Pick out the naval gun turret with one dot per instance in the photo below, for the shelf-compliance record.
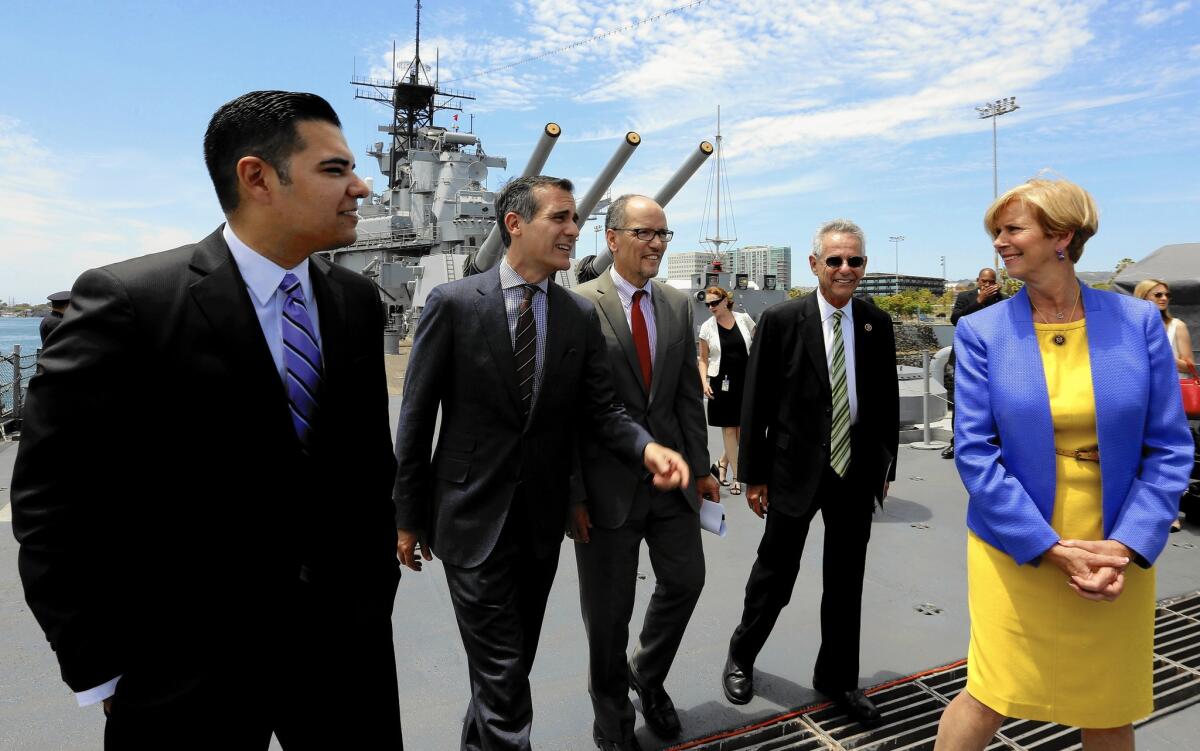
(590, 267)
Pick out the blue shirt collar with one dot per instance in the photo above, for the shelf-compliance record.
(262, 275)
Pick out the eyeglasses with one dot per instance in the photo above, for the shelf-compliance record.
(854, 262)
(714, 303)
(1162, 295)
(645, 234)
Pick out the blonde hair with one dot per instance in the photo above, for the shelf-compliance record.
(1142, 290)
(1060, 206)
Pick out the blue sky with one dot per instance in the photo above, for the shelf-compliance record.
(856, 109)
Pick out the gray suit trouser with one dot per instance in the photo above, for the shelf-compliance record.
(608, 568)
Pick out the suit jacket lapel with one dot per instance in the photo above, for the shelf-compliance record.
(221, 295)
(331, 308)
(614, 312)
(663, 324)
(814, 341)
(862, 341)
(493, 322)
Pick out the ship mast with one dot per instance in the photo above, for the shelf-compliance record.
(414, 100)
(718, 176)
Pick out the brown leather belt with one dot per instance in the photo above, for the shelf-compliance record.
(1083, 455)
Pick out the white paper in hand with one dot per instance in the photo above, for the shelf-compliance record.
(712, 517)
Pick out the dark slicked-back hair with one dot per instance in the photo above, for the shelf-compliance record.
(517, 196)
(261, 124)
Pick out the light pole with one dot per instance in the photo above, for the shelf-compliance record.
(943, 268)
(994, 110)
(896, 240)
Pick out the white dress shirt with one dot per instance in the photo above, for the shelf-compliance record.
(827, 312)
(262, 277)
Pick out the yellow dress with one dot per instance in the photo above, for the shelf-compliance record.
(1038, 650)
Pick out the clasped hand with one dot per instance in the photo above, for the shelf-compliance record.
(1095, 569)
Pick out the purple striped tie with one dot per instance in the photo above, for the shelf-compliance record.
(301, 359)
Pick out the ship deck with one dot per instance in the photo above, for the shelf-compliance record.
(914, 620)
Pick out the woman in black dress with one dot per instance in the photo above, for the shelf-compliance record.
(723, 351)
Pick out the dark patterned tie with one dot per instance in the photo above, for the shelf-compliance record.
(525, 350)
(301, 359)
(641, 337)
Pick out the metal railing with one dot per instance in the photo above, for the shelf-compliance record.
(15, 371)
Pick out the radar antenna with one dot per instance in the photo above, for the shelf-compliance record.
(414, 100)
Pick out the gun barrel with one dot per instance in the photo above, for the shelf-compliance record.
(491, 249)
(541, 152)
(677, 181)
(585, 205)
(591, 267)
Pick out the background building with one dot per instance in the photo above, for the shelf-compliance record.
(757, 261)
(685, 264)
(885, 284)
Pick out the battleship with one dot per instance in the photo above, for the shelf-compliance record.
(433, 220)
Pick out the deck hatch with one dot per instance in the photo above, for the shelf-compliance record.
(912, 707)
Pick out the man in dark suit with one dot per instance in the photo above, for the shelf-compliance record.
(986, 293)
(819, 432)
(651, 344)
(517, 366)
(219, 564)
(58, 306)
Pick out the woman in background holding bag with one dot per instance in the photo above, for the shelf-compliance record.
(1158, 292)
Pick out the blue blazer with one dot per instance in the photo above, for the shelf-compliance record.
(1004, 437)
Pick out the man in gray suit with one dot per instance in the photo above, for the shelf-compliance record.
(517, 366)
(651, 345)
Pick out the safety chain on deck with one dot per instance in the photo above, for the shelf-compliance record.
(912, 706)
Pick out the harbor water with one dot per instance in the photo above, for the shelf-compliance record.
(22, 332)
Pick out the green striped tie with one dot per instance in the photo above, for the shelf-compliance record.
(839, 434)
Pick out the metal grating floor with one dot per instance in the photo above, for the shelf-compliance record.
(912, 706)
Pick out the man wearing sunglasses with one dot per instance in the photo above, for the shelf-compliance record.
(986, 293)
(649, 337)
(820, 417)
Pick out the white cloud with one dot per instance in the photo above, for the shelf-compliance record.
(56, 220)
(1153, 14)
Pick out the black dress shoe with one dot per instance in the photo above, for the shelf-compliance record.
(657, 708)
(738, 683)
(606, 745)
(856, 704)
(948, 452)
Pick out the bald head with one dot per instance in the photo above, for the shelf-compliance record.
(637, 260)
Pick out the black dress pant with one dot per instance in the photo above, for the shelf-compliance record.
(321, 675)
(607, 585)
(499, 605)
(846, 509)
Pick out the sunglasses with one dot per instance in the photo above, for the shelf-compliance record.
(854, 262)
(714, 303)
(1162, 295)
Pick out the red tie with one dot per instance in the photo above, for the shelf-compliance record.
(641, 339)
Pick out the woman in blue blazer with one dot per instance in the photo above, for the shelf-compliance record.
(1073, 447)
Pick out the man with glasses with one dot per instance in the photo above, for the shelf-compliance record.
(515, 364)
(985, 294)
(819, 433)
(648, 334)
